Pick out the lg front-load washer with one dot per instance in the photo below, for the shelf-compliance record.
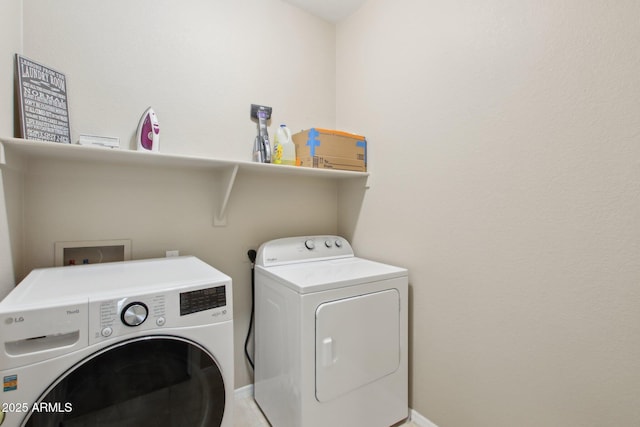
(137, 343)
(330, 335)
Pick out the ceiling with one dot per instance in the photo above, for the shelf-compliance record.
(330, 10)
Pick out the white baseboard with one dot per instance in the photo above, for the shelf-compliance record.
(420, 420)
(246, 391)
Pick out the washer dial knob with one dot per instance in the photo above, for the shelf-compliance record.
(310, 244)
(134, 314)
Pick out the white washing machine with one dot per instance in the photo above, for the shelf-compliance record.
(137, 343)
(330, 337)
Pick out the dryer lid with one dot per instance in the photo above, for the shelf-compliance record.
(308, 277)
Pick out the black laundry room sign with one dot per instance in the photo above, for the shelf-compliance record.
(42, 102)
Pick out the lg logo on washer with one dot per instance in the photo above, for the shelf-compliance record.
(12, 320)
(19, 319)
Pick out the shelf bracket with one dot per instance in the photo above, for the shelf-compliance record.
(225, 180)
(9, 159)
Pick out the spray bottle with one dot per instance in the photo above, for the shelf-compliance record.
(284, 150)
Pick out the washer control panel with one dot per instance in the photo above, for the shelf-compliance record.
(115, 317)
(303, 249)
(192, 306)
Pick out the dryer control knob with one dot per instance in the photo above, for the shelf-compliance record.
(310, 244)
(134, 314)
(338, 243)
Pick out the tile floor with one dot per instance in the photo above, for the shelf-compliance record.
(247, 414)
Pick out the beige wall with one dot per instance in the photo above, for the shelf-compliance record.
(200, 64)
(10, 183)
(10, 44)
(506, 176)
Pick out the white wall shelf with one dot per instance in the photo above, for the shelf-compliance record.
(14, 150)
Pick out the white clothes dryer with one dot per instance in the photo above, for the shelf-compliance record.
(330, 335)
(137, 343)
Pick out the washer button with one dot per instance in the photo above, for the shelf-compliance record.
(160, 321)
(338, 243)
(134, 314)
(310, 244)
(328, 243)
(106, 332)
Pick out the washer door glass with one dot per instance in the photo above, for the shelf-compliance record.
(151, 381)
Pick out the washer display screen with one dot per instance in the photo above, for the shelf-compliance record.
(202, 299)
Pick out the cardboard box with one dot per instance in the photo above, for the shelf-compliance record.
(327, 162)
(331, 149)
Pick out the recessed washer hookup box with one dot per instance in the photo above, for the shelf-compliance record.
(331, 149)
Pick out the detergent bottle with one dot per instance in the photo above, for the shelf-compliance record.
(284, 150)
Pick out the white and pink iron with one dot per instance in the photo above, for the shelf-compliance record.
(148, 136)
